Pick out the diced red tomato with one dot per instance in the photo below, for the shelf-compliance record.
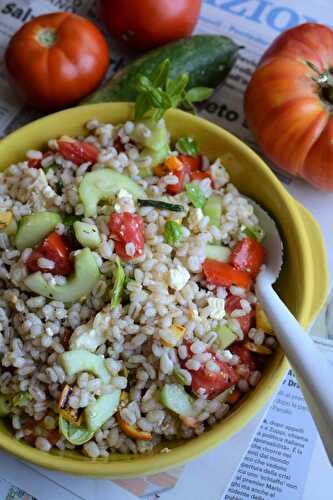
(248, 255)
(127, 228)
(199, 175)
(37, 163)
(192, 163)
(222, 274)
(55, 248)
(246, 357)
(211, 384)
(246, 321)
(234, 397)
(178, 188)
(118, 145)
(78, 151)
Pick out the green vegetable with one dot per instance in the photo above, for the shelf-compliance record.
(74, 434)
(206, 58)
(173, 232)
(163, 205)
(101, 184)
(119, 284)
(97, 413)
(195, 195)
(145, 171)
(256, 232)
(213, 209)
(179, 377)
(226, 336)
(4, 405)
(87, 234)
(158, 139)
(78, 284)
(157, 157)
(158, 93)
(54, 166)
(218, 252)
(74, 362)
(34, 228)
(69, 219)
(187, 146)
(22, 398)
(176, 399)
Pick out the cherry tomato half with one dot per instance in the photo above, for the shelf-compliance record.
(127, 228)
(56, 249)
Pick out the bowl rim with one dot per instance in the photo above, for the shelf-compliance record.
(152, 463)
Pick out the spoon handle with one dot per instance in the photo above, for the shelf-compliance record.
(312, 369)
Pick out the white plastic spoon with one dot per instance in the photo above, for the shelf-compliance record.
(313, 371)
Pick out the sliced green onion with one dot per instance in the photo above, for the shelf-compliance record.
(163, 205)
(195, 195)
(173, 232)
(187, 146)
(119, 285)
(256, 232)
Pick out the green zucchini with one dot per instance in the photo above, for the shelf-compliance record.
(87, 234)
(34, 228)
(226, 336)
(74, 362)
(176, 399)
(213, 209)
(97, 413)
(218, 252)
(207, 58)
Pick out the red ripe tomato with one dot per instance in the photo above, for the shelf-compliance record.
(248, 255)
(222, 274)
(56, 59)
(78, 151)
(211, 384)
(182, 174)
(37, 163)
(127, 228)
(192, 163)
(245, 355)
(55, 248)
(149, 23)
(246, 321)
(199, 175)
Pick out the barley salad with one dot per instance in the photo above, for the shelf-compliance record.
(127, 311)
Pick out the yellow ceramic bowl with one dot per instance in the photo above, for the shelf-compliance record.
(302, 285)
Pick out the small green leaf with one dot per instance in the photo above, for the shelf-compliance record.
(198, 94)
(175, 88)
(21, 398)
(160, 74)
(173, 232)
(195, 195)
(142, 105)
(75, 435)
(119, 284)
(187, 146)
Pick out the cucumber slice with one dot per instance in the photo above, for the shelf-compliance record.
(97, 413)
(101, 184)
(87, 234)
(74, 362)
(157, 156)
(73, 434)
(34, 228)
(179, 377)
(158, 139)
(226, 336)
(176, 399)
(4, 406)
(218, 252)
(79, 284)
(213, 209)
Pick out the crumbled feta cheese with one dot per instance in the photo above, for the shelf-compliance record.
(124, 194)
(125, 202)
(216, 308)
(219, 174)
(178, 277)
(92, 334)
(195, 217)
(227, 354)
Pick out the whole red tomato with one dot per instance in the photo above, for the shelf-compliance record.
(145, 24)
(289, 101)
(56, 59)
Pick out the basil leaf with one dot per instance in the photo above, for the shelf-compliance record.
(160, 74)
(173, 232)
(75, 435)
(142, 105)
(175, 88)
(21, 398)
(119, 284)
(195, 195)
(187, 146)
(198, 94)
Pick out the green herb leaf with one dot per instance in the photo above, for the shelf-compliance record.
(160, 74)
(187, 146)
(195, 195)
(198, 94)
(163, 205)
(142, 105)
(69, 219)
(256, 232)
(22, 398)
(173, 232)
(73, 434)
(119, 284)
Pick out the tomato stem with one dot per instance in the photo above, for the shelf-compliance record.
(47, 37)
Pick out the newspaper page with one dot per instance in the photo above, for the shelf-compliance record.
(253, 24)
